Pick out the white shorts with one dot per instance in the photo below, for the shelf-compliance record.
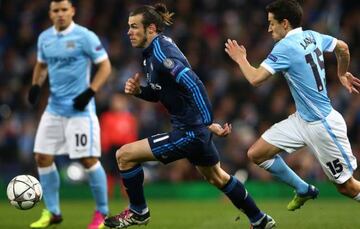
(327, 139)
(77, 136)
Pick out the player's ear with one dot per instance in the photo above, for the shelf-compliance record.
(152, 29)
(286, 24)
(73, 9)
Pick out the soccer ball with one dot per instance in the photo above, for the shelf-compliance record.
(24, 192)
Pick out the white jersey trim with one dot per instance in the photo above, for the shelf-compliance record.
(66, 31)
(41, 60)
(332, 46)
(101, 58)
(268, 68)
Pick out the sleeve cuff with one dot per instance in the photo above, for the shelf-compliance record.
(332, 46)
(268, 68)
(101, 58)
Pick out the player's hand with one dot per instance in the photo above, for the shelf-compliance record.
(350, 82)
(219, 130)
(83, 99)
(235, 51)
(34, 94)
(132, 85)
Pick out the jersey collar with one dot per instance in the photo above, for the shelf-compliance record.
(151, 45)
(294, 31)
(65, 31)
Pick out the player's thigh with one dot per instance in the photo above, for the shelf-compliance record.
(138, 151)
(50, 138)
(330, 144)
(170, 146)
(262, 150)
(82, 135)
(285, 135)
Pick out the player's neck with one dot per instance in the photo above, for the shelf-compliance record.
(150, 39)
(62, 28)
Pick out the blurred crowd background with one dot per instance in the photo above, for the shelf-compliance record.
(200, 29)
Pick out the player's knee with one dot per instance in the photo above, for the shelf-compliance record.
(43, 160)
(344, 190)
(254, 156)
(123, 156)
(89, 162)
(348, 189)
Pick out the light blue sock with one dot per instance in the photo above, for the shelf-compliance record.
(98, 186)
(50, 183)
(279, 169)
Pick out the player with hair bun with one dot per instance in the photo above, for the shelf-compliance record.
(172, 82)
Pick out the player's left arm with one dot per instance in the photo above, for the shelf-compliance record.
(187, 78)
(101, 75)
(96, 52)
(343, 60)
(255, 76)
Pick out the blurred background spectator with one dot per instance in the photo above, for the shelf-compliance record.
(118, 126)
(200, 29)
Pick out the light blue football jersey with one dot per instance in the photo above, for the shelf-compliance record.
(69, 55)
(299, 56)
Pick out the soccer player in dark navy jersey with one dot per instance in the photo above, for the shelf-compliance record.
(171, 81)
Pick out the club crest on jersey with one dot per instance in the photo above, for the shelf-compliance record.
(168, 63)
(70, 45)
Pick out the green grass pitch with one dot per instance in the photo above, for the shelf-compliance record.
(203, 214)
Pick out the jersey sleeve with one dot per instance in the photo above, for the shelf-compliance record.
(94, 48)
(278, 60)
(186, 77)
(148, 94)
(40, 52)
(328, 43)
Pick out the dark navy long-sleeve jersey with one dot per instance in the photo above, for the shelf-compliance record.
(171, 81)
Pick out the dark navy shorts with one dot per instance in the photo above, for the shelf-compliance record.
(196, 145)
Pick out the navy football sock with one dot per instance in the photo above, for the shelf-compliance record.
(133, 181)
(238, 195)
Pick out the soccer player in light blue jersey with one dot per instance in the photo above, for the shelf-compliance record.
(298, 55)
(69, 124)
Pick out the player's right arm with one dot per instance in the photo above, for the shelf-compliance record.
(221, 131)
(343, 60)
(133, 87)
(39, 73)
(38, 79)
(255, 76)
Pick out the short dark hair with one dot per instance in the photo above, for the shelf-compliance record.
(157, 14)
(286, 9)
(61, 1)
